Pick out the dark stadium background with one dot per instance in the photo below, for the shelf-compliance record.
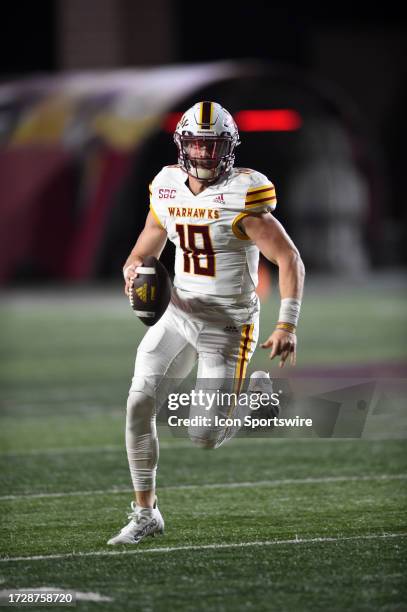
(345, 72)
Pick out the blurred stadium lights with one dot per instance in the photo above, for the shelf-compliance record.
(270, 120)
(276, 120)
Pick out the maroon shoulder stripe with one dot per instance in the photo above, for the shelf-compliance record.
(260, 201)
(256, 191)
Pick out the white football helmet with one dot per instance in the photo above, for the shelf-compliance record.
(206, 137)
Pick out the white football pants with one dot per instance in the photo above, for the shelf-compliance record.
(221, 333)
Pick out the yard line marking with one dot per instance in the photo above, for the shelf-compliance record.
(109, 553)
(223, 485)
(120, 448)
(63, 451)
(112, 448)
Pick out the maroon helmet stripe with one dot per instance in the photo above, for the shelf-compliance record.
(206, 114)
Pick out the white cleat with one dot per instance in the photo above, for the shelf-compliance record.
(260, 382)
(143, 522)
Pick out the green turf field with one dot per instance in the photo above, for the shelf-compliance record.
(259, 524)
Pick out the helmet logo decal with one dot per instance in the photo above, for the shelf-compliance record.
(184, 121)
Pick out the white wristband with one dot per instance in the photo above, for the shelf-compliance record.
(290, 311)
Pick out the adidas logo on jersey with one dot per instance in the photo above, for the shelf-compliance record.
(231, 328)
(219, 199)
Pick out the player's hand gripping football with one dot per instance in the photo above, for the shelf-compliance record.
(130, 274)
(284, 344)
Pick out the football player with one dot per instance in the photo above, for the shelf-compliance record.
(219, 218)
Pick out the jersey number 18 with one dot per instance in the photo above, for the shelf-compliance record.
(195, 256)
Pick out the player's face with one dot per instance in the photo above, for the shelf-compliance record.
(206, 152)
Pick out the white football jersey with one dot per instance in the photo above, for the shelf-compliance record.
(213, 254)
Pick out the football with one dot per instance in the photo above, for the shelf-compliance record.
(151, 291)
